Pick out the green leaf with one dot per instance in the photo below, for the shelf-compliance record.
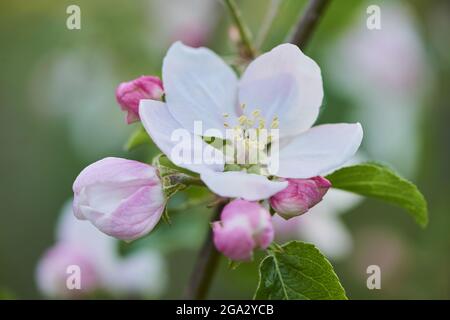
(298, 271)
(138, 137)
(379, 181)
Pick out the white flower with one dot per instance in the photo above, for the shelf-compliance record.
(283, 87)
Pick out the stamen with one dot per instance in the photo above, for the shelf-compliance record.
(262, 124)
(242, 119)
(275, 123)
(249, 141)
(256, 113)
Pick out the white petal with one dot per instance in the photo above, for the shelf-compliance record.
(235, 184)
(285, 83)
(160, 125)
(199, 86)
(319, 150)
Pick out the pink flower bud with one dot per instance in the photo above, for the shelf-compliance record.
(299, 196)
(128, 94)
(122, 198)
(244, 226)
(66, 271)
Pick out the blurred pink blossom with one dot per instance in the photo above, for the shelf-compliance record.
(78, 243)
(53, 271)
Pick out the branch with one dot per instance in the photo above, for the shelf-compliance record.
(205, 265)
(308, 22)
(244, 33)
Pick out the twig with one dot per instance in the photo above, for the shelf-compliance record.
(308, 22)
(248, 51)
(205, 265)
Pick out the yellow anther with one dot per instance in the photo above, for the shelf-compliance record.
(243, 106)
(275, 124)
(225, 115)
(262, 124)
(256, 113)
(242, 119)
(226, 125)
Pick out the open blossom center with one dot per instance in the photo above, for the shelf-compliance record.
(201, 91)
(250, 140)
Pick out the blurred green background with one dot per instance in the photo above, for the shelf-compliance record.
(58, 114)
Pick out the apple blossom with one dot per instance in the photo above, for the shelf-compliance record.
(244, 226)
(54, 270)
(281, 89)
(79, 244)
(393, 61)
(122, 198)
(128, 94)
(299, 196)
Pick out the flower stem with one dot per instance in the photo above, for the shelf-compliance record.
(308, 22)
(248, 51)
(206, 264)
(186, 179)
